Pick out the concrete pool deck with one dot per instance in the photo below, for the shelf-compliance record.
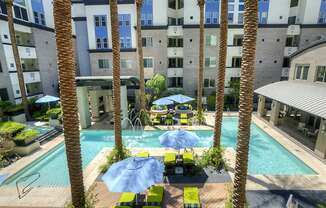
(57, 196)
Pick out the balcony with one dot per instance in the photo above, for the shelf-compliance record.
(289, 50)
(29, 65)
(24, 39)
(293, 30)
(175, 30)
(175, 72)
(234, 51)
(175, 52)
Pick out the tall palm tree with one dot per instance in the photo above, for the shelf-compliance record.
(139, 4)
(201, 4)
(221, 73)
(67, 71)
(116, 75)
(20, 74)
(246, 101)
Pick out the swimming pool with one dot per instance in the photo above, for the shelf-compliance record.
(266, 156)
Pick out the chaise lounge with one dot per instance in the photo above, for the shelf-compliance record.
(191, 197)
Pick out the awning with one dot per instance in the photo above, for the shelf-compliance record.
(305, 96)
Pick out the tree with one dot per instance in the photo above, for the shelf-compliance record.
(235, 90)
(139, 4)
(221, 73)
(20, 75)
(201, 4)
(116, 76)
(68, 97)
(246, 101)
(155, 87)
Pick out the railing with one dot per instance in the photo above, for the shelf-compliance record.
(27, 188)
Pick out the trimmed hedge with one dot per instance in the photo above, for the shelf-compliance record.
(11, 127)
(26, 137)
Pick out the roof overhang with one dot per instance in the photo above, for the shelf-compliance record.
(305, 96)
(106, 81)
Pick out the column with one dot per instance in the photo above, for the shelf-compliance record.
(124, 105)
(107, 101)
(94, 100)
(320, 147)
(261, 106)
(274, 119)
(83, 107)
(137, 99)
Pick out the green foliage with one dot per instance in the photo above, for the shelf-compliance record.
(114, 156)
(144, 117)
(90, 199)
(9, 107)
(235, 89)
(213, 157)
(54, 113)
(211, 101)
(155, 88)
(321, 205)
(169, 92)
(27, 135)
(2, 161)
(11, 128)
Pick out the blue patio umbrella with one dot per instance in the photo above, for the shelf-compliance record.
(163, 101)
(47, 99)
(179, 139)
(180, 98)
(134, 174)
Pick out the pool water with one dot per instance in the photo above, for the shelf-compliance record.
(266, 156)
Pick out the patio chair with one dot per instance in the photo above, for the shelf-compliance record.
(142, 154)
(156, 120)
(169, 162)
(155, 196)
(191, 197)
(183, 119)
(169, 119)
(188, 162)
(313, 133)
(127, 199)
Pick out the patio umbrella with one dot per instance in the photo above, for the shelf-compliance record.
(179, 139)
(134, 174)
(47, 99)
(180, 98)
(163, 101)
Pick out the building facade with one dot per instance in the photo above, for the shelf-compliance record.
(170, 30)
(34, 26)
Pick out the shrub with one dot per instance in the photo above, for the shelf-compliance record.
(26, 137)
(213, 157)
(53, 113)
(11, 128)
(113, 157)
(90, 199)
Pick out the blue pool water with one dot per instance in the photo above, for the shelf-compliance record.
(266, 156)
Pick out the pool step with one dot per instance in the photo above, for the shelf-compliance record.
(49, 135)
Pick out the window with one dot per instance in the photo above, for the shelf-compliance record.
(292, 20)
(175, 42)
(4, 94)
(209, 83)
(180, 4)
(148, 62)
(294, 3)
(172, 4)
(241, 7)
(147, 42)
(104, 64)
(147, 12)
(211, 40)
(301, 72)
(172, 21)
(322, 17)
(3, 9)
(175, 82)
(210, 62)
(236, 62)
(175, 62)
(231, 7)
(321, 74)
(20, 13)
(127, 64)
(101, 31)
(33, 88)
(125, 30)
(286, 62)
(292, 41)
(180, 21)
(230, 17)
(0, 67)
(240, 18)
(237, 40)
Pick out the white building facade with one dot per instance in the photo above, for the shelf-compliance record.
(170, 30)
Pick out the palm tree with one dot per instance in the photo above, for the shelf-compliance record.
(20, 75)
(201, 4)
(246, 101)
(66, 67)
(221, 73)
(139, 4)
(116, 75)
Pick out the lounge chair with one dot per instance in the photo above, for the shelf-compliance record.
(188, 163)
(191, 197)
(155, 196)
(156, 120)
(169, 119)
(183, 119)
(169, 162)
(143, 154)
(127, 199)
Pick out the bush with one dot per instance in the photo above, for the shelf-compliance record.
(213, 157)
(211, 100)
(54, 113)
(90, 199)
(11, 128)
(114, 157)
(26, 137)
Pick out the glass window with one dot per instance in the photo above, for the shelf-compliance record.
(148, 62)
(298, 72)
(240, 18)
(236, 62)
(286, 62)
(231, 7)
(237, 40)
(175, 82)
(305, 72)
(302, 72)
(230, 17)
(97, 21)
(241, 7)
(34, 88)
(211, 40)
(321, 74)
(4, 94)
(103, 63)
(127, 64)
(294, 3)
(210, 61)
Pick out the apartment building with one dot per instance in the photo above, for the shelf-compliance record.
(170, 30)
(34, 28)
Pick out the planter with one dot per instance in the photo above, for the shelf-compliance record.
(24, 142)
(26, 150)
(20, 118)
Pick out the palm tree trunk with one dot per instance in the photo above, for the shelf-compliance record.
(140, 55)
(20, 74)
(66, 67)
(246, 101)
(221, 73)
(116, 74)
(201, 4)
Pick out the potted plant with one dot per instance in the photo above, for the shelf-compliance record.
(26, 137)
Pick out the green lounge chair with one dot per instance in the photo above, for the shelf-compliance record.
(170, 158)
(143, 154)
(127, 199)
(155, 196)
(156, 120)
(169, 119)
(183, 119)
(188, 158)
(191, 197)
